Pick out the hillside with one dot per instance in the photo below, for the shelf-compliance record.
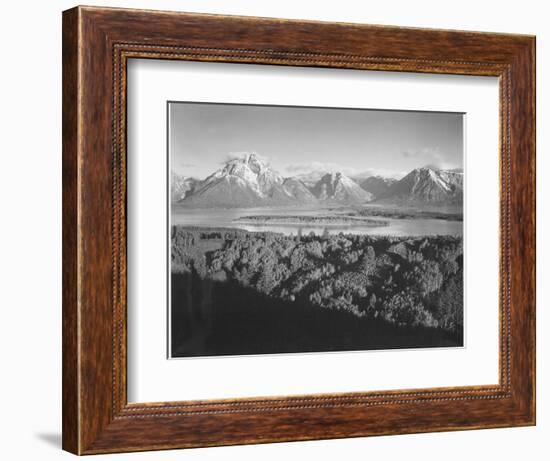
(426, 186)
(377, 185)
(338, 188)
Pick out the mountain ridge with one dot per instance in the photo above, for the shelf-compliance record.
(339, 188)
(249, 181)
(427, 185)
(377, 185)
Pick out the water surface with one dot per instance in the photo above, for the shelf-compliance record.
(395, 227)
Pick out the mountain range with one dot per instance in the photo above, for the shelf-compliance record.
(248, 181)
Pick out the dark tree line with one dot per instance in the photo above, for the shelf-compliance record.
(403, 281)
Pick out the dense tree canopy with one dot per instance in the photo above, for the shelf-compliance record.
(405, 281)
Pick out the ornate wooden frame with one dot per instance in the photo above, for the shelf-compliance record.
(97, 43)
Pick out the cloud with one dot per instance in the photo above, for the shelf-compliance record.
(301, 168)
(429, 157)
(432, 152)
(185, 168)
(384, 172)
(296, 169)
(240, 155)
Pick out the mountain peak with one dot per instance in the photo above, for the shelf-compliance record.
(337, 187)
(332, 176)
(437, 169)
(244, 180)
(248, 158)
(429, 185)
(424, 169)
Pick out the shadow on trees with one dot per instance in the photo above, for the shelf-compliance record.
(212, 318)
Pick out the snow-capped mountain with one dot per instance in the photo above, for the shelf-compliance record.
(311, 178)
(377, 185)
(299, 190)
(180, 186)
(247, 182)
(427, 185)
(337, 187)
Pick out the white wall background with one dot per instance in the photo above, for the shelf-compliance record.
(30, 230)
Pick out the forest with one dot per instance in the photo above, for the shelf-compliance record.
(238, 292)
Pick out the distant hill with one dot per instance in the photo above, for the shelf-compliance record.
(311, 178)
(339, 188)
(181, 186)
(427, 186)
(377, 185)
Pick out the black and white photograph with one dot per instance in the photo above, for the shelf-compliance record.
(275, 230)
(313, 229)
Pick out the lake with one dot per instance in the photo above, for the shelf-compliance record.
(395, 227)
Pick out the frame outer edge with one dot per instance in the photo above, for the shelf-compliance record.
(70, 211)
(533, 179)
(523, 233)
(533, 183)
(531, 141)
(91, 422)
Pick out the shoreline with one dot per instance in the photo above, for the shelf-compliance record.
(334, 220)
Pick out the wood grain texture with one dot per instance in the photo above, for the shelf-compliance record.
(70, 384)
(97, 42)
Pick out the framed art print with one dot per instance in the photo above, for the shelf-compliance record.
(340, 258)
(282, 230)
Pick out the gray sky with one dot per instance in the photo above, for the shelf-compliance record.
(297, 140)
